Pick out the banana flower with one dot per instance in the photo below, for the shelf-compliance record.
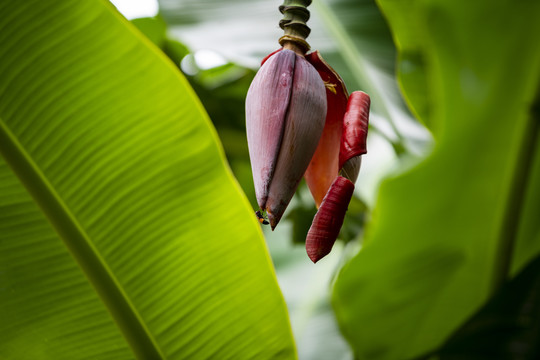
(301, 122)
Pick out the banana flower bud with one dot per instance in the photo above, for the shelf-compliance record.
(285, 116)
(300, 121)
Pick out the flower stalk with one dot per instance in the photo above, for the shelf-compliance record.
(295, 29)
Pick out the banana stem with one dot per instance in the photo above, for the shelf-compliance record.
(295, 16)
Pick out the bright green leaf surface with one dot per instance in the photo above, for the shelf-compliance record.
(129, 237)
(441, 233)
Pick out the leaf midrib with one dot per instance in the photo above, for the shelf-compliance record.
(78, 242)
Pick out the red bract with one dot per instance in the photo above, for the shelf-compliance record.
(329, 218)
(327, 222)
(323, 167)
(355, 127)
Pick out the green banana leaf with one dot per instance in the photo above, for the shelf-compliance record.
(442, 235)
(122, 231)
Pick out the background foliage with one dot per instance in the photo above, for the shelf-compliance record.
(455, 217)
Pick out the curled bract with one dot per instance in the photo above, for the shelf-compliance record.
(355, 127)
(329, 218)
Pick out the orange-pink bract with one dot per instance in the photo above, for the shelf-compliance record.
(329, 218)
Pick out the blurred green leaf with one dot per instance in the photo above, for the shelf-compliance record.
(175, 50)
(122, 231)
(354, 220)
(441, 235)
(300, 213)
(153, 28)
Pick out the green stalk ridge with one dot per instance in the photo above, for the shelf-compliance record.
(78, 242)
(517, 194)
(295, 17)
